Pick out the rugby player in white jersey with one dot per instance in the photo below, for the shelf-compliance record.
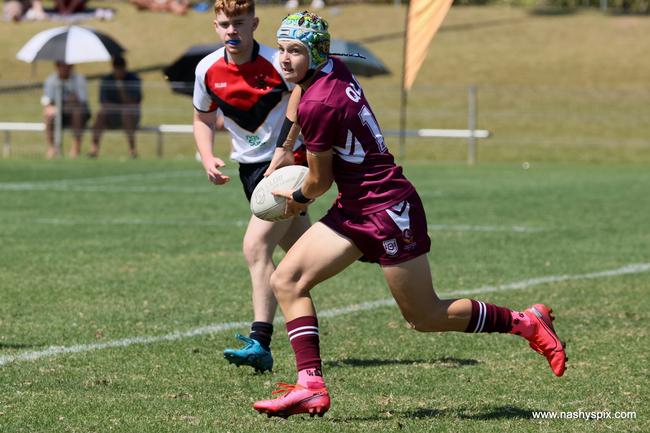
(243, 82)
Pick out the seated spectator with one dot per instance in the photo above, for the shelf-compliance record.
(17, 10)
(294, 4)
(69, 7)
(178, 7)
(74, 110)
(120, 94)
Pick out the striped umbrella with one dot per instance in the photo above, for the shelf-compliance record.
(72, 44)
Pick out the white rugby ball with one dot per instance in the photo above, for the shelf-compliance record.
(264, 204)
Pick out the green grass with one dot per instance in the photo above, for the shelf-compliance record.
(96, 251)
(551, 88)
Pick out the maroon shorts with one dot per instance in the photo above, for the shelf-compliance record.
(388, 237)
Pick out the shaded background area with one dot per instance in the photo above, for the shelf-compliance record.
(569, 87)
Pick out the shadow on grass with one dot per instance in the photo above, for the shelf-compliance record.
(485, 414)
(488, 413)
(446, 361)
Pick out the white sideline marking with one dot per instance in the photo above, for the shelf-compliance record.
(140, 221)
(65, 183)
(364, 306)
(78, 348)
(102, 183)
(635, 268)
(119, 189)
(116, 183)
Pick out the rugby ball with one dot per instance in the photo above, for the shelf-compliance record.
(264, 204)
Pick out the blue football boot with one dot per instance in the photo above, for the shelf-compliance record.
(252, 354)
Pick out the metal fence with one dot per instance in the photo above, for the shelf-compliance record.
(526, 122)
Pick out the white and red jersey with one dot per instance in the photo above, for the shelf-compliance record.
(252, 96)
(334, 114)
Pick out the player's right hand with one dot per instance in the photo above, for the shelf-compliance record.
(212, 170)
(292, 207)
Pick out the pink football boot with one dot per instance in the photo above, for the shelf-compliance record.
(544, 340)
(296, 399)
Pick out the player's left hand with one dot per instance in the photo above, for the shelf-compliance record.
(281, 157)
(292, 208)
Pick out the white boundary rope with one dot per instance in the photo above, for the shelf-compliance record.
(365, 306)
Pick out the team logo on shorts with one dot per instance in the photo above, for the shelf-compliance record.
(390, 246)
(407, 235)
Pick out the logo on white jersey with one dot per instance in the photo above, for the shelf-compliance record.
(253, 140)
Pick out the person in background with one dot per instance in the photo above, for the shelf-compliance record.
(120, 94)
(294, 4)
(17, 10)
(177, 7)
(69, 7)
(74, 111)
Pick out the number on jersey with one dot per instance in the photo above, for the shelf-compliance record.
(370, 122)
(353, 151)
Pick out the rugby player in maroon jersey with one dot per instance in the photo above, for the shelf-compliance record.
(377, 217)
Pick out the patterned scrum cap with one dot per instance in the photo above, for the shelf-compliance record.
(310, 30)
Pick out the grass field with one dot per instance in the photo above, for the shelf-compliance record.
(122, 282)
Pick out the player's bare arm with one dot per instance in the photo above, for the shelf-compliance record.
(284, 155)
(320, 176)
(204, 127)
(318, 182)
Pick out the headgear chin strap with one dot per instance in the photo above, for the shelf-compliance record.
(310, 30)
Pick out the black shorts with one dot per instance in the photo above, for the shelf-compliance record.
(66, 116)
(251, 174)
(114, 120)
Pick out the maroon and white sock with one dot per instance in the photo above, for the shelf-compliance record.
(489, 318)
(303, 336)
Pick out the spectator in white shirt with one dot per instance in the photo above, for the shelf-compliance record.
(74, 101)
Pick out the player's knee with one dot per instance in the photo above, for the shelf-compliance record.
(254, 251)
(287, 284)
(282, 284)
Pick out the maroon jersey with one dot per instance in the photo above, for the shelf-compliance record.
(334, 114)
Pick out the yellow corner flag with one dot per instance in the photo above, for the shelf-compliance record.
(424, 19)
